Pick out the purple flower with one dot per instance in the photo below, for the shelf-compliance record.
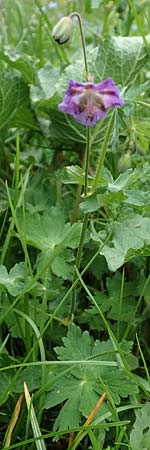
(88, 102)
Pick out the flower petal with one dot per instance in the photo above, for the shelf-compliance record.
(109, 93)
(88, 102)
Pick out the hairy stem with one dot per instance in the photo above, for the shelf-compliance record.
(87, 156)
(103, 153)
(84, 225)
(75, 14)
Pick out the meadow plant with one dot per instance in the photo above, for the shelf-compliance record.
(75, 267)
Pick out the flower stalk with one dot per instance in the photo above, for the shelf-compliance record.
(75, 14)
(84, 225)
(103, 153)
(94, 186)
(87, 157)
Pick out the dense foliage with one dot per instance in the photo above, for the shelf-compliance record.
(74, 333)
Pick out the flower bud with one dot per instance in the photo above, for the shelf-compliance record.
(62, 30)
(125, 162)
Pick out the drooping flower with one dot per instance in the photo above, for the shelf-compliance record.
(88, 102)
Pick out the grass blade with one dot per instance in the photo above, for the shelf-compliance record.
(12, 423)
(40, 445)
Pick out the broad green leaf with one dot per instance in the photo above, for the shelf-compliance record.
(45, 87)
(138, 199)
(39, 196)
(24, 118)
(65, 129)
(121, 58)
(13, 91)
(130, 238)
(32, 375)
(122, 181)
(82, 397)
(89, 204)
(48, 77)
(23, 63)
(49, 230)
(135, 90)
(110, 303)
(111, 198)
(13, 281)
(75, 346)
(62, 266)
(140, 435)
(76, 175)
(128, 306)
(82, 387)
(114, 192)
(6, 375)
(111, 191)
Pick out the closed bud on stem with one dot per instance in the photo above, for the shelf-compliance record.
(125, 162)
(62, 30)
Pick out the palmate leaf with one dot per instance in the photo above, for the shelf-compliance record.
(140, 435)
(130, 238)
(31, 374)
(13, 281)
(62, 267)
(82, 387)
(49, 230)
(110, 191)
(110, 303)
(76, 175)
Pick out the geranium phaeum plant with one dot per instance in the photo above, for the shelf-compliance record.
(88, 102)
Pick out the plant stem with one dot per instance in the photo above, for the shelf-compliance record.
(85, 222)
(94, 186)
(87, 156)
(78, 262)
(103, 153)
(17, 162)
(76, 204)
(75, 14)
(85, 165)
